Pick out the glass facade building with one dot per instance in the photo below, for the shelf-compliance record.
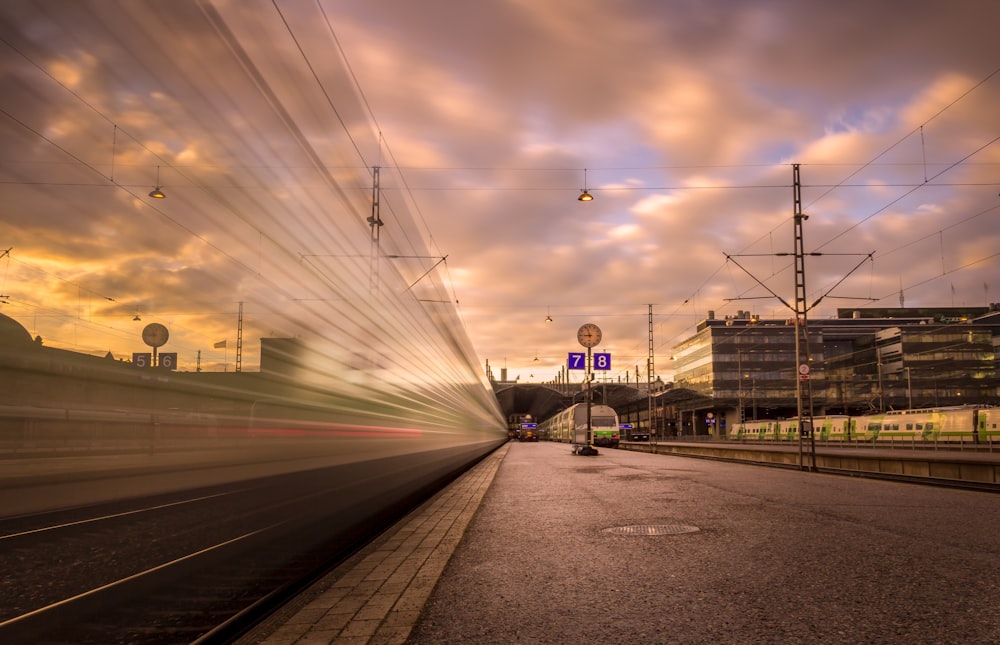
(741, 367)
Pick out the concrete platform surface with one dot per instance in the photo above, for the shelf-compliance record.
(628, 547)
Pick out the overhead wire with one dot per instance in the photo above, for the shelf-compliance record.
(873, 161)
(84, 163)
(382, 143)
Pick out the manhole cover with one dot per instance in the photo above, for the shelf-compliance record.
(652, 529)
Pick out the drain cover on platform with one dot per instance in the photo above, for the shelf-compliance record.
(652, 529)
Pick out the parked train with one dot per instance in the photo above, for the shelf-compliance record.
(522, 427)
(961, 424)
(570, 425)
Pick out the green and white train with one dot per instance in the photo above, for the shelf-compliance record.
(570, 426)
(960, 424)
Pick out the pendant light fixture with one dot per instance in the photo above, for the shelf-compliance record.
(584, 195)
(156, 193)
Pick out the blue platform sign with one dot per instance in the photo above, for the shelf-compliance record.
(578, 361)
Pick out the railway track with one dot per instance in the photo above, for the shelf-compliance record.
(205, 583)
(194, 566)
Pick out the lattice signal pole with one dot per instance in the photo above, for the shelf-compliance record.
(651, 342)
(649, 382)
(803, 384)
(375, 222)
(239, 340)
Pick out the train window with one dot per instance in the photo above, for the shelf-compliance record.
(920, 426)
(909, 426)
(930, 425)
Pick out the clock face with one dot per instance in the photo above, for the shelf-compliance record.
(155, 335)
(589, 335)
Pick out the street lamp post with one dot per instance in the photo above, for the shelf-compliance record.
(590, 430)
(649, 400)
(741, 416)
(881, 390)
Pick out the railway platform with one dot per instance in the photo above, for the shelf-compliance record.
(539, 545)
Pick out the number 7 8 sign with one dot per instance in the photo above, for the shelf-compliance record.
(578, 361)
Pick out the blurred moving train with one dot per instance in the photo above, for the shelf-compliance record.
(570, 425)
(338, 463)
(960, 424)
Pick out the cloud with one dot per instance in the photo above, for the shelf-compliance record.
(486, 121)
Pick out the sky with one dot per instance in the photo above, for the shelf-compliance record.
(263, 123)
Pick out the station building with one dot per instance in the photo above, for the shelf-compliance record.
(743, 367)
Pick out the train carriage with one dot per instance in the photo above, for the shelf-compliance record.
(953, 425)
(832, 427)
(867, 427)
(570, 426)
(988, 425)
(786, 430)
(958, 424)
(521, 427)
(896, 427)
(755, 430)
(939, 424)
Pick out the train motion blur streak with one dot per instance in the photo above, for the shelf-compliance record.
(124, 571)
(363, 391)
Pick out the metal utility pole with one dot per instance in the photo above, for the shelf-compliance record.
(649, 379)
(741, 417)
(803, 386)
(588, 335)
(590, 429)
(375, 221)
(239, 340)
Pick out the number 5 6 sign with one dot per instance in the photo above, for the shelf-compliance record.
(578, 361)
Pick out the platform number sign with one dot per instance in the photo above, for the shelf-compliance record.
(166, 360)
(578, 361)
